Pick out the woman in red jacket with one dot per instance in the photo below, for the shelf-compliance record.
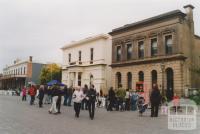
(32, 93)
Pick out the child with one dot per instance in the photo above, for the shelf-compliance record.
(141, 105)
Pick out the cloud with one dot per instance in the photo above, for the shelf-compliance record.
(41, 27)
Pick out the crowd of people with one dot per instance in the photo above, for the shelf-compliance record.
(87, 98)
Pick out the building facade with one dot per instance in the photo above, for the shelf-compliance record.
(162, 49)
(87, 62)
(20, 74)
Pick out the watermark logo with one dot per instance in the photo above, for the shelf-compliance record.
(182, 114)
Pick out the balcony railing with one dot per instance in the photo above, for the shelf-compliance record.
(84, 63)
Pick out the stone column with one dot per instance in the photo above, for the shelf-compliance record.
(76, 79)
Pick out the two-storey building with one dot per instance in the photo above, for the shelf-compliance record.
(20, 74)
(162, 49)
(87, 62)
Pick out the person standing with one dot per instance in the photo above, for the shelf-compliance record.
(84, 104)
(45, 94)
(65, 95)
(54, 94)
(77, 99)
(24, 94)
(111, 97)
(176, 102)
(70, 92)
(91, 97)
(127, 98)
(32, 93)
(41, 95)
(58, 103)
(155, 99)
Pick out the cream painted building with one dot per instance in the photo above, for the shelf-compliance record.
(20, 73)
(87, 62)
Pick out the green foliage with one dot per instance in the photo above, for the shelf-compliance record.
(50, 72)
(196, 98)
(121, 93)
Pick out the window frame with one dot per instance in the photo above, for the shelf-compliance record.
(91, 55)
(152, 51)
(139, 50)
(129, 55)
(120, 55)
(69, 57)
(166, 46)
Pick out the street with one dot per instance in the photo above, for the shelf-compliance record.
(17, 117)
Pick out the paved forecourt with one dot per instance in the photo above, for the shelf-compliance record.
(17, 117)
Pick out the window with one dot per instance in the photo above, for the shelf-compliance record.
(118, 79)
(168, 44)
(79, 57)
(21, 71)
(129, 51)
(24, 70)
(91, 55)
(69, 58)
(141, 49)
(91, 80)
(154, 47)
(118, 56)
(154, 77)
(79, 79)
(129, 80)
(141, 76)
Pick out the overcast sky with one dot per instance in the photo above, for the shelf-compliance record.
(41, 27)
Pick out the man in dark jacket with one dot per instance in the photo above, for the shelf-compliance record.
(111, 97)
(155, 99)
(58, 103)
(91, 97)
(41, 95)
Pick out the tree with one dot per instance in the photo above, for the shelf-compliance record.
(50, 72)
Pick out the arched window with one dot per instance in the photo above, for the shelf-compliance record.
(91, 79)
(170, 83)
(118, 79)
(154, 77)
(141, 76)
(129, 80)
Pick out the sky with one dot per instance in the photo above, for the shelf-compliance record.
(39, 28)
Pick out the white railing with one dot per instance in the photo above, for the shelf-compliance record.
(7, 92)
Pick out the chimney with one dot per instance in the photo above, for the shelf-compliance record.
(30, 58)
(189, 11)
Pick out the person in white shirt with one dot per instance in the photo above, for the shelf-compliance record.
(77, 96)
(127, 103)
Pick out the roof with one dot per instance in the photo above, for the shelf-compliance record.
(149, 20)
(89, 39)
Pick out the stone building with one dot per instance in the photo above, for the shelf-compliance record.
(163, 49)
(87, 62)
(20, 74)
